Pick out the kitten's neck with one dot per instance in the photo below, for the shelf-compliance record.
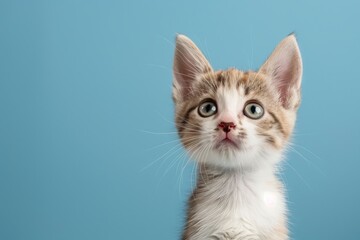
(211, 172)
(232, 198)
(215, 180)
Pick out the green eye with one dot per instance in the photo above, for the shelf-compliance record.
(207, 108)
(254, 110)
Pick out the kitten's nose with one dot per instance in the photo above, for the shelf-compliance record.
(227, 126)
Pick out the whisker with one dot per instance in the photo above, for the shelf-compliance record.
(307, 150)
(308, 161)
(298, 174)
(162, 156)
(165, 133)
(163, 144)
(189, 149)
(172, 151)
(196, 145)
(169, 142)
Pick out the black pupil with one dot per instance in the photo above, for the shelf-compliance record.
(253, 109)
(208, 107)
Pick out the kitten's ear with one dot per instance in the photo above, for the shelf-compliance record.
(189, 64)
(284, 66)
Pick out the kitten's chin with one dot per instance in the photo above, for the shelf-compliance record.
(229, 155)
(227, 145)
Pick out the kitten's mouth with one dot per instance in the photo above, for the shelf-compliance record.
(227, 142)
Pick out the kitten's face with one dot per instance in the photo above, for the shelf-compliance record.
(231, 118)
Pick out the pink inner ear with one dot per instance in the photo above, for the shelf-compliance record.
(285, 68)
(183, 71)
(189, 62)
(286, 74)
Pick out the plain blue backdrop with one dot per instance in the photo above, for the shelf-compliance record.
(88, 148)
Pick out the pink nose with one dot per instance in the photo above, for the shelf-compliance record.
(227, 126)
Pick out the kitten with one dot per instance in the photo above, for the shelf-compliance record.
(236, 125)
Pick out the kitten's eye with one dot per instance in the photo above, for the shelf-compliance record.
(207, 108)
(254, 110)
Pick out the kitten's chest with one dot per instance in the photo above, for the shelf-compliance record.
(257, 205)
(240, 206)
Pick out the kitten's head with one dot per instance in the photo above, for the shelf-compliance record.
(235, 119)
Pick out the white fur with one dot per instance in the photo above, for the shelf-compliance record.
(254, 208)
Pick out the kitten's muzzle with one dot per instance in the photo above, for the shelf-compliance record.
(227, 126)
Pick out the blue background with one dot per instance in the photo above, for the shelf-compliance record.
(88, 148)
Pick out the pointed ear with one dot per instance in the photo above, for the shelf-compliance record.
(284, 67)
(189, 64)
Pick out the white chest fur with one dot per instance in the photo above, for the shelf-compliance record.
(233, 203)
